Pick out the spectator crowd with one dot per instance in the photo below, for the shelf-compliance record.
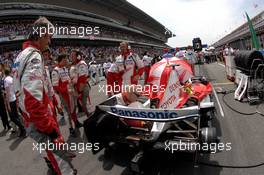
(14, 28)
(101, 53)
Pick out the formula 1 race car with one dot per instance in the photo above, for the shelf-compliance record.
(150, 124)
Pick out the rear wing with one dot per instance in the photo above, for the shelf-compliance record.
(110, 106)
(158, 115)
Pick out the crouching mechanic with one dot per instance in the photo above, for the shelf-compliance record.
(36, 107)
(126, 70)
(62, 84)
(79, 77)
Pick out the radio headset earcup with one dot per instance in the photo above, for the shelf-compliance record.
(78, 57)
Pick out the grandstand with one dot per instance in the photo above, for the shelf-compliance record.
(116, 20)
(240, 38)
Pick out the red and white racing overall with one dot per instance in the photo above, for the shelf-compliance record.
(147, 65)
(79, 77)
(106, 66)
(52, 95)
(124, 72)
(37, 109)
(62, 84)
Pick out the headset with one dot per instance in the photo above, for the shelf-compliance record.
(78, 54)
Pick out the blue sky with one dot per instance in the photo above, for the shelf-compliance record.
(208, 19)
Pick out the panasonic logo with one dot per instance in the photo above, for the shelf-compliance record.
(145, 114)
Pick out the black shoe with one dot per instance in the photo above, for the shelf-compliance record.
(12, 131)
(23, 133)
(78, 124)
(72, 132)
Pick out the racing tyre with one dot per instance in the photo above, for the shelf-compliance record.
(136, 164)
(208, 136)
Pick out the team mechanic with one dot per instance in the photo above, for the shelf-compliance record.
(79, 77)
(36, 107)
(126, 70)
(62, 84)
(55, 99)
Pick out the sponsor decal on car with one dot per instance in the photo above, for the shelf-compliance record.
(145, 114)
(150, 114)
(169, 102)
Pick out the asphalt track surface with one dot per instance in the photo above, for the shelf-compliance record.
(245, 133)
